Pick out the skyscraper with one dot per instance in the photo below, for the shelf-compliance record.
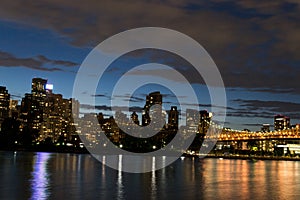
(265, 128)
(205, 118)
(154, 98)
(135, 118)
(58, 118)
(198, 121)
(281, 122)
(192, 120)
(38, 87)
(31, 112)
(13, 108)
(33, 104)
(54, 113)
(173, 118)
(4, 103)
(75, 108)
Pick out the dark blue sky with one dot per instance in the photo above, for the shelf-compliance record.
(256, 46)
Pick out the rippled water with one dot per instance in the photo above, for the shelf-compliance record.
(25, 175)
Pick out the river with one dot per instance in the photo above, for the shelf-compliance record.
(27, 175)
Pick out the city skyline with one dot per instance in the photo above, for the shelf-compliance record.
(40, 85)
(255, 46)
(48, 121)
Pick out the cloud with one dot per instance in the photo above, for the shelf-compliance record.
(126, 97)
(36, 63)
(250, 114)
(130, 98)
(57, 62)
(264, 109)
(135, 99)
(109, 108)
(101, 96)
(273, 106)
(268, 90)
(255, 44)
(164, 73)
(271, 73)
(96, 20)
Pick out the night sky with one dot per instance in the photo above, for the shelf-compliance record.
(255, 44)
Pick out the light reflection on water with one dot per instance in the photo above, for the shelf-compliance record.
(120, 183)
(40, 176)
(74, 176)
(153, 180)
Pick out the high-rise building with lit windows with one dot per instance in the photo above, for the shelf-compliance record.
(38, 87)
(58, 118)
(53, 112)
(205, 119)
(4, 103)
(265, 128)
(198, 122)
(33, 104)
(281, 122)
(31, 114)
(135, 118)
(173, 118)
(154, 98)
(75, 107)
(13, 108)
(192, 120)
(47, 113)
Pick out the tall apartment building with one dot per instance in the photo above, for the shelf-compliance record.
(4, 104)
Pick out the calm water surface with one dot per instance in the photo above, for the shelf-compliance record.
(25, 175)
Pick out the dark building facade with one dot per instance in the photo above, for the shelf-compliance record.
(173, 118)
(154, 98)
(265, 128)
(281, 122)
(205, 119)
(192, 120)
(32, 105)
(4, 103)
(135, 118)
(38, 87)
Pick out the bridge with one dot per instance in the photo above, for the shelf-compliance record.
(238, 135)
(288, 140)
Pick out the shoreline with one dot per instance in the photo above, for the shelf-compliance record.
(235, 157)
(247, 157)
